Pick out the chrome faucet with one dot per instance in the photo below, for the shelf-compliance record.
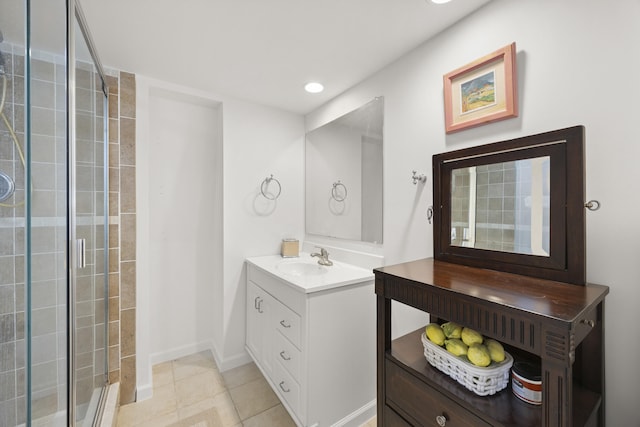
(323, 256)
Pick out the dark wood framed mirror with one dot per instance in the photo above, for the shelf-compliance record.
(514, 206)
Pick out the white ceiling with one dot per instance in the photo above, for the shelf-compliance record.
(265, 51)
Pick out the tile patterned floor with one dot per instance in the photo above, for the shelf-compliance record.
(192, 392)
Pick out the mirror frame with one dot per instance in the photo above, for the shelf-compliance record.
(567, 256)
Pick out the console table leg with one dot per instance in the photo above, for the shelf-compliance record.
(383, 346)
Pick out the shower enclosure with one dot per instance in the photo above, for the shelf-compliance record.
(53, 217)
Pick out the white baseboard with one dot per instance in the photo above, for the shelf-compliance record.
(144, 392)
(359, 416)
(231, 362)
(178, 352)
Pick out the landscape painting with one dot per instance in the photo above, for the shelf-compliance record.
(482, 91)
(478, 93)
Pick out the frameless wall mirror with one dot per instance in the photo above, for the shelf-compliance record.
(343, 161)
(514, 206)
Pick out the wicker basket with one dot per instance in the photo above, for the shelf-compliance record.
(481, 381)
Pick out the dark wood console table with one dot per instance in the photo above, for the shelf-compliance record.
(557, 324)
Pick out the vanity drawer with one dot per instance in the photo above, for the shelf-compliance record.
(287, 322)
(276, 287)
(288, 355)
(424, 403)
(287, 387)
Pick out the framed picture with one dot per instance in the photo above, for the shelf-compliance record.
(481, 92)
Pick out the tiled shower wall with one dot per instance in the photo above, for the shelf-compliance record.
(494, 206)
(460, 194)
(122, 234)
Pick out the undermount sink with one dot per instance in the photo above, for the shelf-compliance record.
(301, 269)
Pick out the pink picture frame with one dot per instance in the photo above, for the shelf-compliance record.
(481, 92)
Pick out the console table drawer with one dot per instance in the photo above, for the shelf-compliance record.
(391, 419)
(423, 403)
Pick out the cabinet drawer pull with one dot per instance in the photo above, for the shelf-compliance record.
(260, 306)
(441, 420)
(284, 355)
(284, 325)
(588, 322)
(282, 387)
(255, 303)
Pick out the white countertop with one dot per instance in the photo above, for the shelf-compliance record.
(321, 277)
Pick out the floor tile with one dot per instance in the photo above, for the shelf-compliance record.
(253, 397)
(199, 387)
(241, 375)
(208, 418)
(373, 422)
(220, 410)
(273, 417)
(193, 365)
(162, 374)
(191, 392)
(164, 402)
(160, 421)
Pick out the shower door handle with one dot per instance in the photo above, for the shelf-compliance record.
(81, 254)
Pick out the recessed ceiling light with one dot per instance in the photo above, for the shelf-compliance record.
(313, 87)
(440, 1)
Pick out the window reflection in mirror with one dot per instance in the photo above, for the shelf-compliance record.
(502, 206)
(343, 177)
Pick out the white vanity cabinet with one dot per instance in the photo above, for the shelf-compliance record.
(314, 340)
(259, 307)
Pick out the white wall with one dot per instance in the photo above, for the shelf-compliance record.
(571, 71)
(201, 158)
(258, 141)
(184, 148)
(576, 65)
(179, 150)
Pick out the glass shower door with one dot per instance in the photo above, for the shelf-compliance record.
(53, 303)
(43, 397)
(89, 230)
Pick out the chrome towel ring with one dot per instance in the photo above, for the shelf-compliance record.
(264, 188)
(337, 193)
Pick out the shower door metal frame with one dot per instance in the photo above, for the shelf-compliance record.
(75, 14)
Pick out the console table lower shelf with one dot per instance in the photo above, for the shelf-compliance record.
(417, 394)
